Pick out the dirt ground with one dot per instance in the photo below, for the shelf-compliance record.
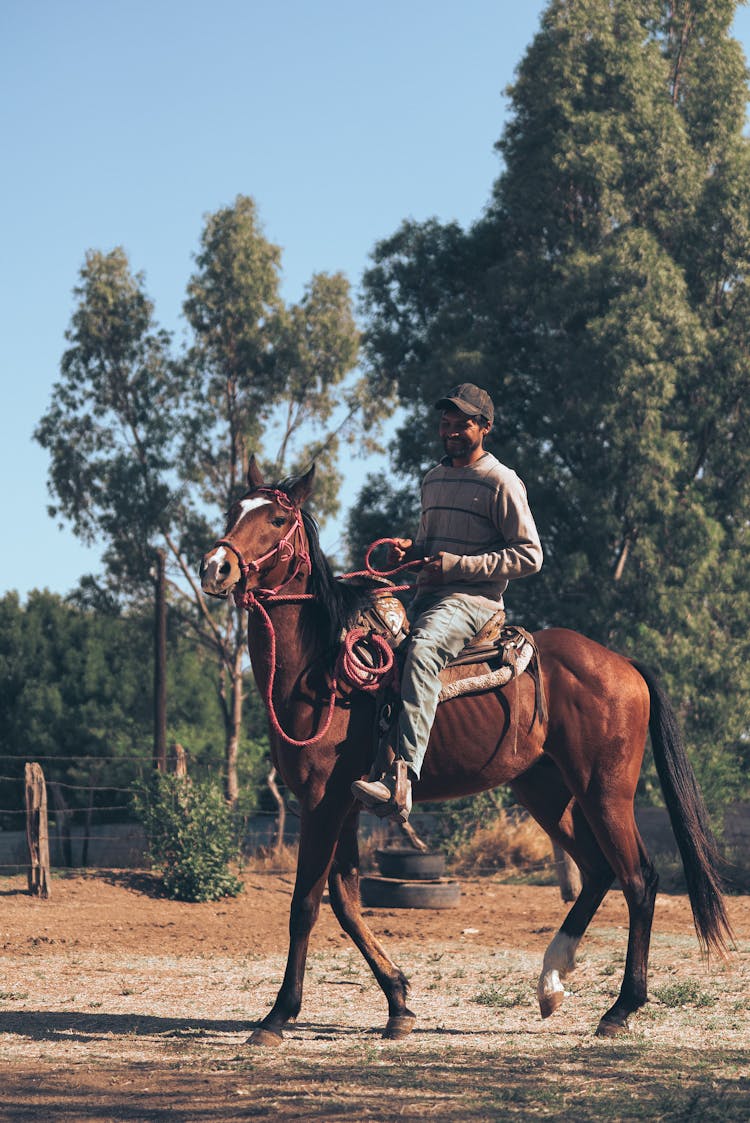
(116, 1004)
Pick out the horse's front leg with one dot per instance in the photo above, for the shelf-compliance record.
(316, 846)
(343, 886)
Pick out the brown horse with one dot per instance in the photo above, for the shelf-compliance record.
(576, 770)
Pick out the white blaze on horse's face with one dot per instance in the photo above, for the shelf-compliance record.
(220, 569)
(248, 505)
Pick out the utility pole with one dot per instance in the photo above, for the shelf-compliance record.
(160, 662)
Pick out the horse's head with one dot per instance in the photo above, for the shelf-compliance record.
(264, 545)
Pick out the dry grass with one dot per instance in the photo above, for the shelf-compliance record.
(512, 841)
(271, 859)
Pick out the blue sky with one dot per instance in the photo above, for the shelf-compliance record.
(125, 123)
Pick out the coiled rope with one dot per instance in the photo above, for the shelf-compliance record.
(350, 668)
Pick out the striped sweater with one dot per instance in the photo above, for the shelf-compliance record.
(479, 517)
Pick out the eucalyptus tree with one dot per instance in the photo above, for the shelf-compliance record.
(602, 298)
(267, 378)
(149, 447)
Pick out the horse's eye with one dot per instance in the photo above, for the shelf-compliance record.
(280, 520)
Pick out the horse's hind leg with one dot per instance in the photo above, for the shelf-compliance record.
(610, 821)
(343, 885)
(544, 793)
(620, 839)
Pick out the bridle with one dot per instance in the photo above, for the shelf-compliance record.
(364, 676)
(283, 551)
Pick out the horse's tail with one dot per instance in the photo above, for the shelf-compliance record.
(687, 812)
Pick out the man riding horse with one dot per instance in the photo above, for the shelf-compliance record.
(478, 533)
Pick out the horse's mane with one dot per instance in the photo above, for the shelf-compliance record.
(335, 604)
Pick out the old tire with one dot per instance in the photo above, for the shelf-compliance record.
(410, 865)
(390, 893)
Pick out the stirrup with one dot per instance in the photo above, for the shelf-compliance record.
(399, 806)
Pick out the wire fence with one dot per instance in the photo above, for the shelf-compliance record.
(93, 824)
(101, 832)
(106, 833)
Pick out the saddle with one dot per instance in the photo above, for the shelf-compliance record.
(384, 615)
(495, 655)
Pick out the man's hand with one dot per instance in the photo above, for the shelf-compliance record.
(431, 572)
(398, 549)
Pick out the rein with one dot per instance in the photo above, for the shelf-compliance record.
(370, 571)
(349, 665)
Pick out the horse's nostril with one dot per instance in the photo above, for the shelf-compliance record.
(225, 569)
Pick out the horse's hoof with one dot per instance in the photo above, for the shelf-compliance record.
(264, 1037)
(610, 1028)
(548, 1003)
(400, 1025)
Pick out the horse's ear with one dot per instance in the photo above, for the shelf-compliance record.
(254, 474)
(300, 491)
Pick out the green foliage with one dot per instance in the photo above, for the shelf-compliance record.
(264, 372)
(110, 429)
(76, 694)
(603, 299)
(683, 993)
(191, 837)
(381, 511)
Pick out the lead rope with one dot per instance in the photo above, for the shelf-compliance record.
(355, 670)
(252, 603)
(370, 571)
(349, 665)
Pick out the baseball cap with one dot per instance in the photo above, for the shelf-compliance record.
(470, 399)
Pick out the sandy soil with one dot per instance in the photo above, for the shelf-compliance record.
(122, 911)
(118, 1004)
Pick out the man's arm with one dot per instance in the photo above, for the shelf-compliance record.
(520, 556)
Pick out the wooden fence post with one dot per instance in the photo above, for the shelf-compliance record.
(278, 846)
(177, 759)
(37, 833)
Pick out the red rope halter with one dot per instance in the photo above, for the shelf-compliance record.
(282, 551)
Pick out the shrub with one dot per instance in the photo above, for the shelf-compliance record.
(191, 838)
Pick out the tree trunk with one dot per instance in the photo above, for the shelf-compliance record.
(160, 662)
(37, 833)
(281, 806)
(234, 731)
(177, 761)
(87, 829)
(63, 816)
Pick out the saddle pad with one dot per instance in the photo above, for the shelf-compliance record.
(474, 678)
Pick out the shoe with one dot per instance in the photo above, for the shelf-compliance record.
(374, 792)
(388, 796)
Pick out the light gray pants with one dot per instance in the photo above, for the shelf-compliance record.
(440, 628)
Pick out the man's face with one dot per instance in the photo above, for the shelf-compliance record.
(462, 436)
